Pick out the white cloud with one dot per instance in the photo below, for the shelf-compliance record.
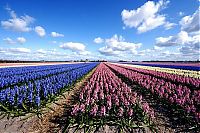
(19, 24)
(188, 45)
(77, 49)
(117, 45)
(55, 34)
(98, 40)
(146, 17)
(19, 50)
(9, 40)
(73, 46)
(150, 52)
(169, 25)
(157, 48)
(190, 23)
(21, 40)
(41, 51)
(181, 13)
(187, 41)
(179, 39)
(192, 46)
(40, 31)
(54, 42)
(84, 53)
(44, 54)
(108, 51)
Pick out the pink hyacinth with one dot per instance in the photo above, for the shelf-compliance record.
(130, 112)
(145, 107)
(92, 101)
(75, 110)
(94, 110)
(197, 116)
(82, 107)
(120, 112)
(102, 111)
(101, 95)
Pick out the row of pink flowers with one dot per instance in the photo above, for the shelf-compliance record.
(189, 81)
(175, 94)
(105, 95)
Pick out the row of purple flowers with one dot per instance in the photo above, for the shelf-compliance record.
(106, 95)
(175, 94)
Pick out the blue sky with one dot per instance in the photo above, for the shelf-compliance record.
(99, 29)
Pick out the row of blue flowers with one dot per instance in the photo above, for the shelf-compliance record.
(21, 75)
(20, 99)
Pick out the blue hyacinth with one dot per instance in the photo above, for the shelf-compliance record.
(35, 84)
(37, 100)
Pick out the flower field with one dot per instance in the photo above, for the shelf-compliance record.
(25, 89)
(161, 84)
(188, 66)
(124, 97)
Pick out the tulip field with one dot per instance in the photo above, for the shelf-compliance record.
(123, 96)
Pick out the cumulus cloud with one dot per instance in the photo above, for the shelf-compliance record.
(55, 34)
(188, 44)
(146, 17)
(17, 50)
(108, 51)
(150, 52)
(179, 39)
(15, 23)
(84, 53)
(21, 40)
(169, 25)
(117, 45)
(9, 40)
(43, 54)
(40, 31)
(187, 41)
(98, 40)
(74, 46)
(190, 23)
(20, 50)
(41, 51)
(192, 47)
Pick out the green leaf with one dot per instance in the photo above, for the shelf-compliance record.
(4, 107)
(24, 106)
